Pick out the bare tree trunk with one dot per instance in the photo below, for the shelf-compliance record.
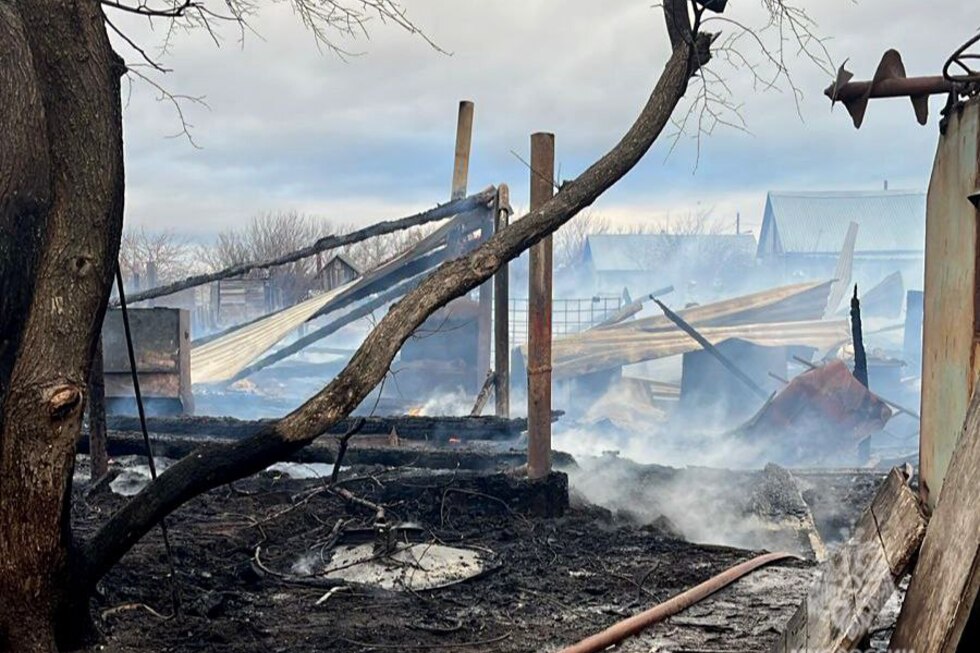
(61, 183)
(217, 465)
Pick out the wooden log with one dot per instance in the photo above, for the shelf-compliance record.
(409, 427)
(859, 577)
(439, 212)
(130, 443)
(943, 591)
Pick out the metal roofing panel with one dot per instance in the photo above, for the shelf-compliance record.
(817, 222)
(628, 252)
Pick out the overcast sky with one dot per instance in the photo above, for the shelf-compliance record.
(293, 128)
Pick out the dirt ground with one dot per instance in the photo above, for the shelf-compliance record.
(552, 581)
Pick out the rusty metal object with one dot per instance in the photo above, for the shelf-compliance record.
(633, 625)
(501, 312)
(821, 413)
(539, 316)
(890, 80)
(968, 74)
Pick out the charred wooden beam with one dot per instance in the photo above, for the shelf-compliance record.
(409, 427)
(130, 443)
(439, 212)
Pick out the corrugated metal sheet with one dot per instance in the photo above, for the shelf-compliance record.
(892, 221)
(633, 252)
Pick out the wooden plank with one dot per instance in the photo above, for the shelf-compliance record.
(943, 590)
(858, 578)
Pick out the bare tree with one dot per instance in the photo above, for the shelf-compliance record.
(266, 236)
(61, 207)
(569, 242)
(168, 252)
(372, 252)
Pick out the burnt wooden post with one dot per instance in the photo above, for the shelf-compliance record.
(461, 170)
(98, 450)
(539, 316)
(461, 162)
(501, 313)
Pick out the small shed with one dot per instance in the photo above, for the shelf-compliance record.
(242, 299)
(337, 271)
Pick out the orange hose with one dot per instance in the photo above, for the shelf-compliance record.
(632, 625)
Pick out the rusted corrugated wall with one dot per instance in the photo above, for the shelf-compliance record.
(951, 324)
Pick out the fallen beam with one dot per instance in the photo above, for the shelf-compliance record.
(409, 427)
(439, 212)
(857, 580)
(130, 443)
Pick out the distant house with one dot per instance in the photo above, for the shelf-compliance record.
(336, 272)
(699, 266)
(803, 232)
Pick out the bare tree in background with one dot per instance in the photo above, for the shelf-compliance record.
(270, 235)
(61, 211)
(569, 242)
(169, 252)
(372, 252)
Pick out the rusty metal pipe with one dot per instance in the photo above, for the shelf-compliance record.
(905, 87)
(633, 625)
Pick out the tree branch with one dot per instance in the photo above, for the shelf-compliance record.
(217, 465)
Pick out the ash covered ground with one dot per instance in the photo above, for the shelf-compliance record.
(548, 582)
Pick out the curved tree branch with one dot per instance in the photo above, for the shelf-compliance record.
(211, 467)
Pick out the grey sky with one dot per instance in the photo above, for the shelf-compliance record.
(290, 127)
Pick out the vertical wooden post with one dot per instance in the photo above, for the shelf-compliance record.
(98, 451)
(539, 316)
(501, 312)
(461, 170)
(485, 319)
(461, 162)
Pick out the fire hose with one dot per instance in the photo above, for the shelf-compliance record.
(633, 625)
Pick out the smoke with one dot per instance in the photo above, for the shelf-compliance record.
(747, 509)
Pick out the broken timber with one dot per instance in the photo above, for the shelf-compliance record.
(484, 395)
(943, 591)
(438, 212)
(858, 579)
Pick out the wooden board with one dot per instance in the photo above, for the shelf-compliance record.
(859, 577)
(943, 590)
